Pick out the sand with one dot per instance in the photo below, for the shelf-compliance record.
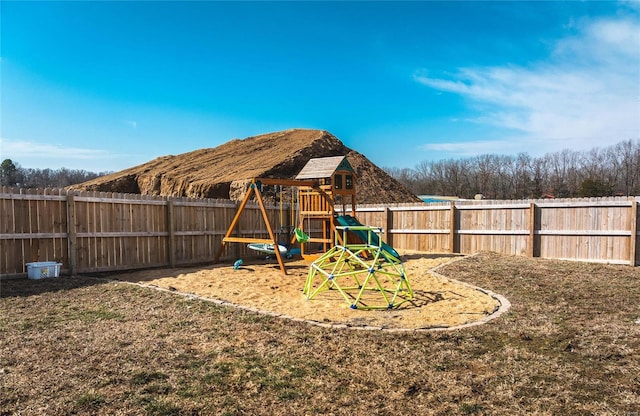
(439, 301)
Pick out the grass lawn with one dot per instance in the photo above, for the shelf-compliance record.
(569, 345)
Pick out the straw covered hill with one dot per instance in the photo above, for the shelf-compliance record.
(224, 171)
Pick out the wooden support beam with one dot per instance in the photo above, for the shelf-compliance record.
(247, 240)
(318, 214)
(286, 182)
(319, 240)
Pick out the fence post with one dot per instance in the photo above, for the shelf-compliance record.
(531, 250)
(634, 232)
(71, 233)
(171, 246)
(452, 228)
(388, 225)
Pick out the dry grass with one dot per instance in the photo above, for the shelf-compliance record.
(569, 345)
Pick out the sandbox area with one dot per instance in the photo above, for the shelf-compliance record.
(439, 301)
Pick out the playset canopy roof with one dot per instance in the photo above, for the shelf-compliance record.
(324, 167)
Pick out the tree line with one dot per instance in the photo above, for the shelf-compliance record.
(12, 174)
(610, 171)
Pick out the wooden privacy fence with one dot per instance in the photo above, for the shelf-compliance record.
(590, 229)
(98, 232)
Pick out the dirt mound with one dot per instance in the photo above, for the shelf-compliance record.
(223, 171)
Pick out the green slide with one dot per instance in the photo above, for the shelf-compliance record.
(349, 221)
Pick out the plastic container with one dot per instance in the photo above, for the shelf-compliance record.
(43, 269)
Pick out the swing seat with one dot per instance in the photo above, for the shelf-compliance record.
(301, 236)
(267, 248)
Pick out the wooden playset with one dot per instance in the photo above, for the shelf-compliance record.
(367, 272)
(321, 184)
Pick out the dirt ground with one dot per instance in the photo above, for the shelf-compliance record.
(438, 302)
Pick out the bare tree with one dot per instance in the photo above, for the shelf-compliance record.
(614, 170)
(43, 178)
(626, 158)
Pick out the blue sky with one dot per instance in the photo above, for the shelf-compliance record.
(109, 85)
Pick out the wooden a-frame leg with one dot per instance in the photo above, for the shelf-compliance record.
(234, 222)
(276, 246)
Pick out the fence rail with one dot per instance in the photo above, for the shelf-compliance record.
(98, 231)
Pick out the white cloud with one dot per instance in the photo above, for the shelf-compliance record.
(472, 148)
(631, 4)
(131, 123)
(24, 148)
(586, 94)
